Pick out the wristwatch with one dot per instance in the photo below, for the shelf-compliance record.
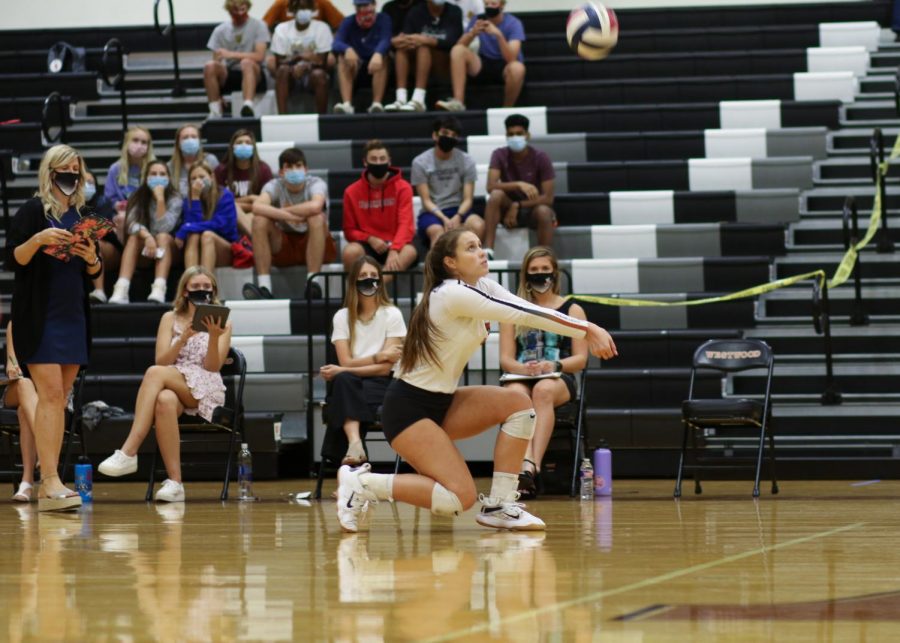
(557, 366)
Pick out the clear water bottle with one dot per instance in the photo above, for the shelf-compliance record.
(587, 480)
(245, 474)
(84, 479)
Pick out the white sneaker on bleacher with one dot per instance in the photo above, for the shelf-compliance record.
(413, 106)
(396, 106)
(120, 294)
(343, 108)
(157, 293)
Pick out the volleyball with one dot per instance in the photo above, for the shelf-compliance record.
(592, 31)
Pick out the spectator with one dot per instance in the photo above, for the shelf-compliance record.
(444, 176)
(499, 58)
(110, 245)
(361, 43)
(324, 11)
(19, 394)
(154, 211)
(290, 225)
(429, 31)
(301, 49)
(519, 186)
(529, 352)
(368, 338)
(187, 151)
(210, 221)
(244, 174)
(125, 175)
(378, 213)
(239, 49)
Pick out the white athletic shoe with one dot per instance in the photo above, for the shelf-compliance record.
(507, 514)
(98, 295)
(170, 491)
(120, 294)
(157, 293)
(353, 499)
(413, 106)
(118, 464)
(343, 108)
(375, 108)
(396, 106)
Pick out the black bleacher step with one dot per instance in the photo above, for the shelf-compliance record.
(810, 379)
(876, 301)
(161, 82)
(879, 266)
(874, 110)
(647, 348)
(78, 85)
(848, 169)
(109, 132)
(197, 108)
(832, 199)
(804, 342)
(646, 387)
(829, 233)
(857, 140)
(873, 85)
(21, 137)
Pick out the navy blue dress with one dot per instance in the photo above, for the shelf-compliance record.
(65, 329)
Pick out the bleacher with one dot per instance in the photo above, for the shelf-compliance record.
(694, 162)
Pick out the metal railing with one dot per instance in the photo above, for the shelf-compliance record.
(112, 69)
(170, 29)
(876, 160)
(858, 315)
(822, 324)
(61, 108)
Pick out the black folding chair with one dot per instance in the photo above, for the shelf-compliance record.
(226, 419)
(704, 418)
(570, 422)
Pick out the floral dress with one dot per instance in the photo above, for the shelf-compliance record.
(206, 386)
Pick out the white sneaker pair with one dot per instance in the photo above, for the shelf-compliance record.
(408, 106)
(120, 293)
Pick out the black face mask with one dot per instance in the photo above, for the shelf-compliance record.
(200, 296)
(540, 281)
(491, 12)
(377, 170)
(367, 287)
(447, 143)
(66, 182)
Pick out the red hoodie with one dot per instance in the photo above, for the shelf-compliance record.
(385, 212)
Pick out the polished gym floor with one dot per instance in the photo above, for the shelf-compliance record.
(818, 562)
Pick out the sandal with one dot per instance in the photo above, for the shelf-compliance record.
(528, 489)
(64, 501)
(24, 493)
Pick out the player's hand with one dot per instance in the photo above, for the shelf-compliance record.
(600, 343)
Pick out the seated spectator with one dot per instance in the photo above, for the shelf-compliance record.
(239, 49)
(244, 173)
(188, 150)
(154, 211)
(361, 43)
(210, 221)
(378, 213)
(520, 187)
(21, 395)
(533, 353)
(499, 58)
(430, 30)
(301, 49)
(444, 176)
(110, 245)
(290, 225)
(325, 11)
(185, 379)
(368, 337)
(125, 175)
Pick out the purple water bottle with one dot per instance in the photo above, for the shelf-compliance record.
(602, 471)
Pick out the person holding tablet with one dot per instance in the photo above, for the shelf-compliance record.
(185, 379)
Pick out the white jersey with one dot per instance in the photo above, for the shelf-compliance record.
(459, 311)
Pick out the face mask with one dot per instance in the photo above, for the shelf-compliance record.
(447, 143)
(243, 151)
(540, 281)
(491, 12)
(66, 182)
(516, 143)
(157, 182)
(377, 170)
(89, 191)
(295, 177)
(367, 287)
(303, 16)
(137, 150)
(366, 20)
(199, 296)
(189, 146)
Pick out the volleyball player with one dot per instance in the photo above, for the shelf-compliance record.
(424, 412)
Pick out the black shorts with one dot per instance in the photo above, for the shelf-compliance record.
(405, 404)
(524, 218)
(236, 77)
(491, 70)
(380, 257)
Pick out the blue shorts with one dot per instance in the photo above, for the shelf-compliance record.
(427, 219)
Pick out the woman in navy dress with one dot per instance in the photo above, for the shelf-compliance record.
(50, 306)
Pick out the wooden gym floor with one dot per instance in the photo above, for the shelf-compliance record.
(819, 562)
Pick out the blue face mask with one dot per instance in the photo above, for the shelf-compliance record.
(243, 151)
(157, 181)
(295, 177)
(303, 16)
(89, 191)
(516, 143)
(189, 146)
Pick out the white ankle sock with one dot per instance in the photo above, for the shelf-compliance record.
(419, 95)
(264, 281)
(159, 281)
(121, 281)
(503, 486)
(381, 484)
(215, 107)
(402, 96)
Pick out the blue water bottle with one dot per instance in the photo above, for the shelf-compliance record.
(602, 471)
(84, 479)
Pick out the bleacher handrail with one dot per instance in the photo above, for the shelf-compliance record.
(850, 224)
(114, 47)
(54, 98)
(177, 88)
(884, 244)
(822, 324)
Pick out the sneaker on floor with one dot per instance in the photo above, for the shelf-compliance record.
(157, 293)
(170, 491)
(354, 501)
(396, 106)
(247, 111)
(120, 295)
(118, 464)
(508, 514)
(375, 108)
(343, 108)
(252, 291)
(413, 106)
(98, 296)
(313, 290)
(450, 105)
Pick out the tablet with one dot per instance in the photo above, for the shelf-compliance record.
(208, 310)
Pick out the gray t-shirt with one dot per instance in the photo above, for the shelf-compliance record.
(169, 220)
(283, 198)
(243, 38)
(445, 179)
(183, 187)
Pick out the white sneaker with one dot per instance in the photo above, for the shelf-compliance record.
(98, 295)
(353, 499)
(375, 108)
(120, 294)
(343, 108)
(413, 106)
(396, 106)
(170, 491)
(507, 514)
(451, 105)
(118, 464)
(157, 293)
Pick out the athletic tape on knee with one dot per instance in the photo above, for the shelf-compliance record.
(519, 425)
(444, 502)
